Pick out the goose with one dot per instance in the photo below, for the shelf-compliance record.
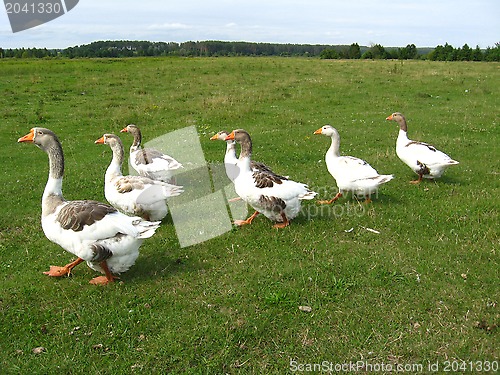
(276, 197)
(425, 160)
(230, 158)
(97, 233)
(134, 195)
(148, 162)
(351, 173)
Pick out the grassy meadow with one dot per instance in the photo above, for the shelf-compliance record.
(424, 288)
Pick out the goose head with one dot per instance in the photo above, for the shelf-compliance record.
(41, 137)
(243, 138)
(130, 128)
(47, 141)
(136, 133)
(220, 136)
(238, 135)
(327, 130)
(110, 140)
(399, 118)
(115, 143)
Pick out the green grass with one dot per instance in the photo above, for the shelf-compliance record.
(426, 288)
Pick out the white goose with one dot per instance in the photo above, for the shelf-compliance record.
(147, 161)
(425, 160)
(95, 232)
(135, 195)
(276, 197)
(230, 159)
(351, 174)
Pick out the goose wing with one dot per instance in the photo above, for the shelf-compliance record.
(427, 154)
(151, 159)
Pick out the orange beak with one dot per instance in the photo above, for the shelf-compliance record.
(124, 130)
(389, 117)
(100, 141)
(319, 131)
(230, 137)
(214, 137)
(28, 137)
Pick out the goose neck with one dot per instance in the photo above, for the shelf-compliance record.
(56, 160)
(246, 148)
(230, 145)
(334, 149)
(230, 148)
(115, 167)
(137, 139)
(52, 194)
(244, 163)
(402, 135)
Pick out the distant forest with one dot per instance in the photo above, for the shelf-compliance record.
(123, 48)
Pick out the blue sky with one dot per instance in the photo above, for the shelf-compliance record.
(426, 23)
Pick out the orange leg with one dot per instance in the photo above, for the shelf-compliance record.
(339, 194)
(368, 199)
(283, 224)
(56, 271)
(103, 280)
(247, 221)
(420, 177)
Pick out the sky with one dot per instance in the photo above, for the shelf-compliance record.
(391, 23)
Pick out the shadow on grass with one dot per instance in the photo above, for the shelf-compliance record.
(445, 180)
(157, 265)
(162, 257)
(448, 180)
(347, 207)
(385, 198)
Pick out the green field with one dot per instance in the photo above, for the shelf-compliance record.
(425, 289)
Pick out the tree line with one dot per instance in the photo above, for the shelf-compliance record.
(411, 52)
(123, 48)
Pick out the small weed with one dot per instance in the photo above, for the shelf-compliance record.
(341, 285)
(276, 298)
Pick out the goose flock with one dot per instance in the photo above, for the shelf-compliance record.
(108, 236)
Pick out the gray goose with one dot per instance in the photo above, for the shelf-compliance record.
(276, 197)
(149, 162)
(425, 160)
(95, 232)
(135, 195)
